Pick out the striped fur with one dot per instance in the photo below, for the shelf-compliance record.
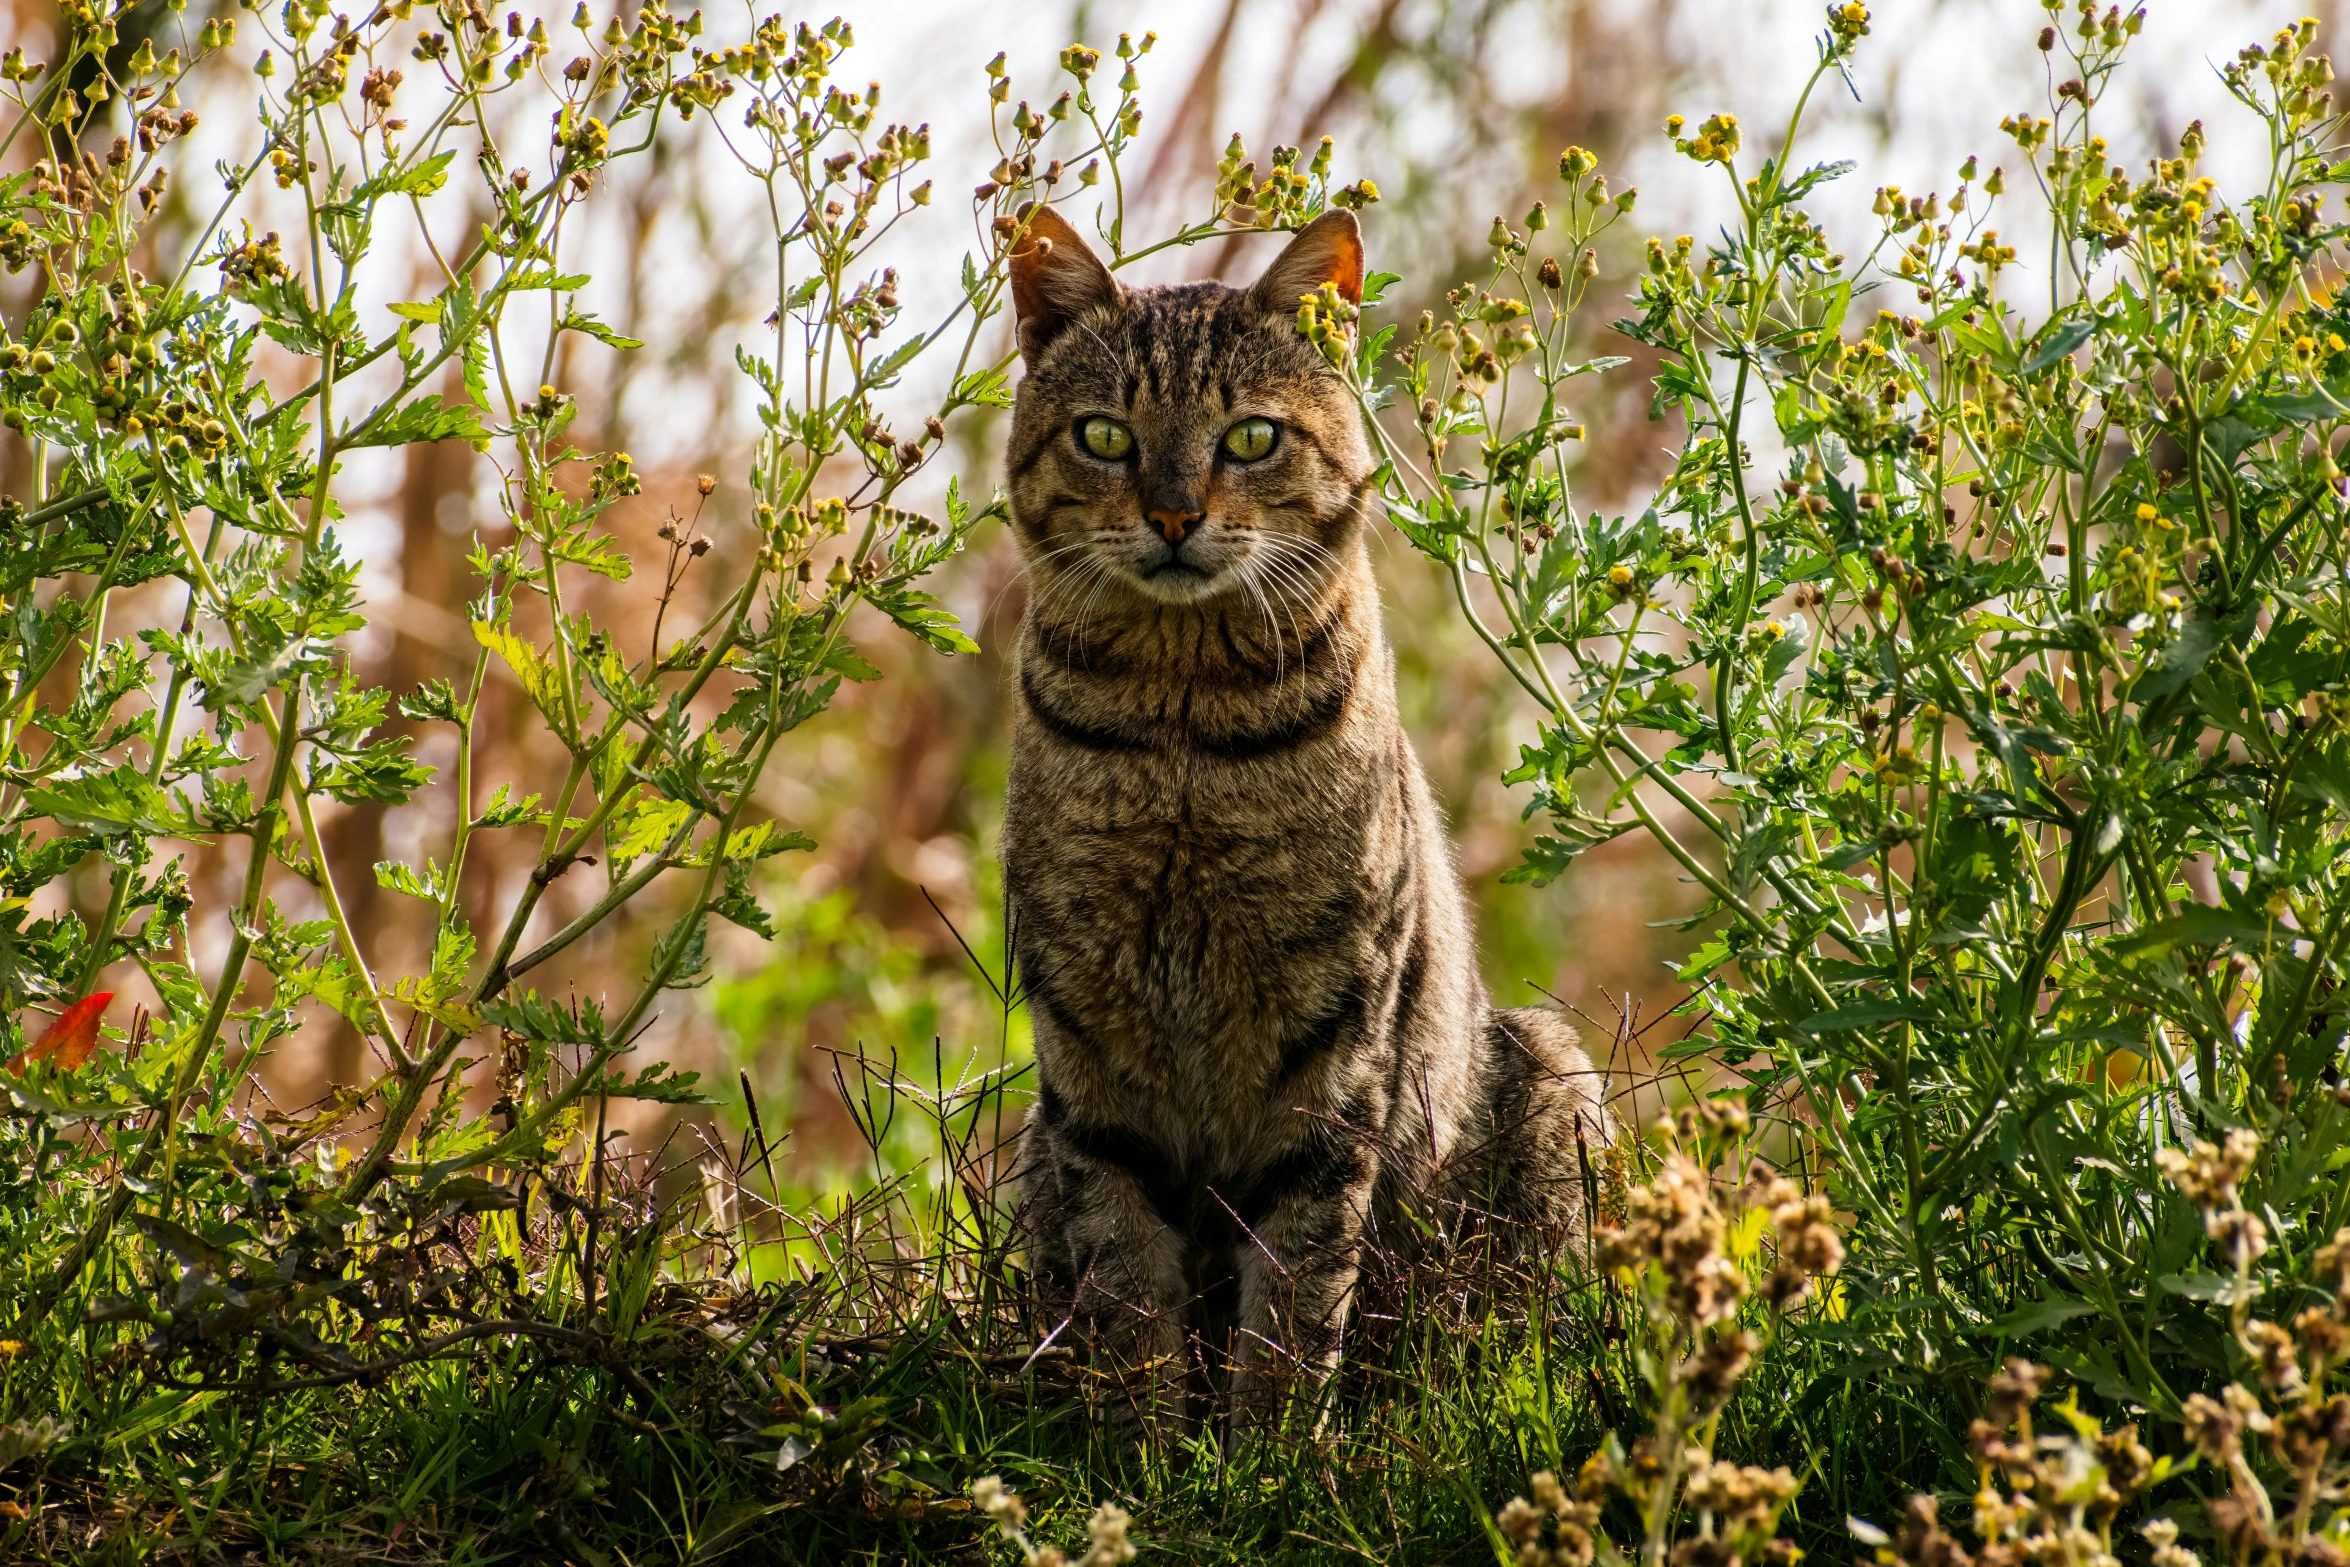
(1248, 959)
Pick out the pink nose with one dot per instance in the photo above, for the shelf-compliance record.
(1172, 525)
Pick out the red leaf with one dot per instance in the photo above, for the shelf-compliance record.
(71, 1037)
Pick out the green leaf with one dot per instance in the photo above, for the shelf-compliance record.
(642, 828)
(529, 279)
(530, 666)
(546, 1023)
(916, 611)
(426, 419)
(2060, 344)
(423, 178)
(398, 876)
(110, 803)
(2202, 925)
(2218, 1288)
(579, 321)
(1817, 175)
(503, 811)
(989, 388)
(597, 552)
(2180, 661)
(2037, 1317)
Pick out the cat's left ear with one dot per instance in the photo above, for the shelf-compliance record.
(1327, 250)
(1055, 279)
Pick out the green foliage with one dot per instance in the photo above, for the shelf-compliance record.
(220, 1248)
(1984, 668)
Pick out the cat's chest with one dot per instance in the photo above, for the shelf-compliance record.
(1183, 843)
(1191, 920)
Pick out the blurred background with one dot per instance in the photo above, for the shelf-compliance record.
(1458, 109)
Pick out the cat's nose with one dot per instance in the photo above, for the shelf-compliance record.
(1173, 524)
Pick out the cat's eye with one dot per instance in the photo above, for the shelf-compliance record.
(1251, 439)
(1105, 438)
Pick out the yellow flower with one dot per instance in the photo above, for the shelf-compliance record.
(11, 1348)
(2146, 513)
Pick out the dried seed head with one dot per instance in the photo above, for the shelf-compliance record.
(2013, 1390)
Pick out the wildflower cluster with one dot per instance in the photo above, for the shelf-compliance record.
(1106, 1530)
(2058, 1490)
(1326, 319)
(2041, 1495)
(1685, 1251)
(1518, 318)
(1081, 136)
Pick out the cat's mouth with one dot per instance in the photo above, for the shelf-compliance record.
(1176, 576)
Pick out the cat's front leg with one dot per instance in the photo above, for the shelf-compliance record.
(1132, 1291)
(1298, 1261)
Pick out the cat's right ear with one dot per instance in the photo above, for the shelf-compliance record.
(1055, 279)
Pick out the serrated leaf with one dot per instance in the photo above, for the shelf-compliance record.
(426, 419)
(109, 803)
(530, 667)
(423, 178)
(580, 321)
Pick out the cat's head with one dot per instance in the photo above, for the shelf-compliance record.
(1176, 445)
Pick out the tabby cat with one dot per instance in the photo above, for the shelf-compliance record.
(1257, 1014)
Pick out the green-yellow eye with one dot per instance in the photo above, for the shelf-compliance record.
(1251, 439)
(1105, 438)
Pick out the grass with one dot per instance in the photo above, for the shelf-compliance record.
(688, 1370)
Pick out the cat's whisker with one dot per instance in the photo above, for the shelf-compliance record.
(1301, 546)
(1308, 584)
(1027, 569)
(1296, 589)
(1277, 576)
(1094, 569)
(1248, 580)
(1101, 579)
